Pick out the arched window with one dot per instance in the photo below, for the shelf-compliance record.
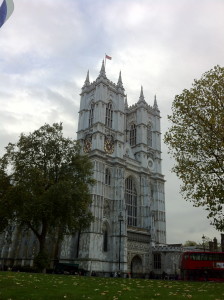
(109, 115)
(157, 261)
(149, 135)
(131, 201)
(105, 238)
(107, 177)
(91, 114)
(105, 241)
(133, 135)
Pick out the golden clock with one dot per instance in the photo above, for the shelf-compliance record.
(87, 144)
(109, 144)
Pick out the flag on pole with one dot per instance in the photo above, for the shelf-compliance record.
(108, 57)
(6, 9)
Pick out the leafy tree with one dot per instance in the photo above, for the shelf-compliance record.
(44, 183)
(190, 243)
(196, 141)
(204, 244)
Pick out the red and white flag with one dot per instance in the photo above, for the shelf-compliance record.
(108, 57)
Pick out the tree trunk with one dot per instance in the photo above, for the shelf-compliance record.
(59, 235)
(41, 260)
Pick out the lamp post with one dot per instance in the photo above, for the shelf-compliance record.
(203, 242)
(120, 219)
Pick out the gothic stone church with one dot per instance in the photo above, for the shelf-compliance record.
(124, 144)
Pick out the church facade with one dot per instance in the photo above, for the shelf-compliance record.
(124, 144)
(128, 200)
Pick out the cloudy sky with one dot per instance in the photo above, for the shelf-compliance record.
(47, 46)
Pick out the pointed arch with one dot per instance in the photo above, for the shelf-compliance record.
(91, 113)
(136, 265)
(149, 135)
(132, 134)
(131, 200)
(107, 177)
(105, 231)
(109, 115)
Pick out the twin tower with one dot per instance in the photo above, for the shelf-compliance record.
(124, 144)
(128, 201)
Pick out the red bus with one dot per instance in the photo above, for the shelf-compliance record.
(206, 266)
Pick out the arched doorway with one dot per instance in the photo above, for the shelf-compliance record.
(136, 265)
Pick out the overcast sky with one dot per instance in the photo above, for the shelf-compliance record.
(47, 46)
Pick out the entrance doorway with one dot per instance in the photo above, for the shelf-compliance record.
(136, 265)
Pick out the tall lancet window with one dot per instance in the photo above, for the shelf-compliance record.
(133, 135)
(109, 115)
(105, 238)
(131, 201)
(107, 177)
(149, 135)
(91, 114)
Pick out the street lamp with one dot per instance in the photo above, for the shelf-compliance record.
(203, 242)
(120, 219)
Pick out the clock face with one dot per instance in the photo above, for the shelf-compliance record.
(109, 144)
(150, 164)
(87, 144)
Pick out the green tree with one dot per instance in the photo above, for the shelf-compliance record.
(196, 141)
(45, 183)
(204, 244)
(190, 243)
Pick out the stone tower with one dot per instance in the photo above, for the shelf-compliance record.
(124, 144)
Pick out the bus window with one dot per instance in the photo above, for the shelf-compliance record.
(195, 256)
(186, 256)
(204, 256)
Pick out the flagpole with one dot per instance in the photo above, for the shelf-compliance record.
(105, 60)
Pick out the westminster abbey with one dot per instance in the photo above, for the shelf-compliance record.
(128, 200)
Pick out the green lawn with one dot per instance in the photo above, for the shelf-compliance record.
(29, 286)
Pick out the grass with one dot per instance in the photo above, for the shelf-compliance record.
(29, 286)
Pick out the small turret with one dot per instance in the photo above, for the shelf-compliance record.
(119, 83)
(155, 106)
(141, 98)
(87, 82)
(120, 87)
(102, 71)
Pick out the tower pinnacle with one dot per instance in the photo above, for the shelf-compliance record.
(120, 83)
(102, 71)
(87, 79)
(155, 105)
(141, 98)
(119, 79)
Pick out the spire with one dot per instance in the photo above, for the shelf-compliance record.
(141, 94)
(86, 83)
(141, 98)
(120, 83)
(155, 106)
(87, 79)
(102, 71)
